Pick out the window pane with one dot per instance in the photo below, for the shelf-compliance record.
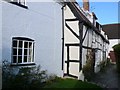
(29, 58)
(26, 45)
(20, 44)
(22, 2)
(30, 44)
(14, 43)
(19, 51)
(25, 51)
(14, 51)
(25, 58)
(30, 52)
(14, 59)
(19, 59)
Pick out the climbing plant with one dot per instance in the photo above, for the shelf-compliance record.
(88, 70)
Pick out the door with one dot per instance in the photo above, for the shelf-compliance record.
(71, 63)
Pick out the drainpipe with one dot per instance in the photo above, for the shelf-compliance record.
(63, 35)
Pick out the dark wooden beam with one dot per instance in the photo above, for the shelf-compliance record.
(72, 44)
(65, 74)
(80, 49)
(71, 30)
(74, 19)
(76, 61)
(67, 59)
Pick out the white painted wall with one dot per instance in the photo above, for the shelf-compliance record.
(0, 45)
(42, 21)
(70, 38)
(92, 40)
(0, 34)
(112, 43)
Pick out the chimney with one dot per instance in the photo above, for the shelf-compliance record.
(86, 5)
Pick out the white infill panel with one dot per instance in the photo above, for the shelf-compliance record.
(74, 69)
(74, 53)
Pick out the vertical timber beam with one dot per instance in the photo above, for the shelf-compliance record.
(80, 49)
(67, 60)
(63, 35)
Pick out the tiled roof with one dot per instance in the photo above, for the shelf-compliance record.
(84, 19)
(112, 30)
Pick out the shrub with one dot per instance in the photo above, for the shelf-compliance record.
(52, 78)
(26, 78)
(87, 71)
(102, 64)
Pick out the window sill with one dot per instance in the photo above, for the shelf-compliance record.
(29, 64)
(23, 6)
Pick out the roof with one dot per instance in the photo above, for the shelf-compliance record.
(112, 30)
(79, 15)
(94, 15)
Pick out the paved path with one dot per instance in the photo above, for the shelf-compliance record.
(0, 78)
(108, 78)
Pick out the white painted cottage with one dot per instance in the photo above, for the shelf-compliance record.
(31, 34)
(57, 36)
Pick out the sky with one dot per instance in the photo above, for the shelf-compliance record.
(106, 12)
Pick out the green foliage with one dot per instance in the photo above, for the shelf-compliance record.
(26, 78)
(102, 64)
(117, 48)
(52, 78)
(117, 55)
(87, 70)
(71, 83)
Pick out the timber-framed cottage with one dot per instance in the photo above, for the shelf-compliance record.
(59, 36)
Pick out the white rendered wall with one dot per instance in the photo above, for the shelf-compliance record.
(0, 45)
(41, 22)
(112, 43)
(70, 38)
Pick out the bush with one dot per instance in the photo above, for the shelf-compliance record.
(102, 64)
(52, 78)
(26, 78)
(87, 71)
(117, 55)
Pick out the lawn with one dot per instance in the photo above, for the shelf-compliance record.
(71, 83)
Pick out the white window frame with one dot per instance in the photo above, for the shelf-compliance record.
(20, 49)
(22, 2)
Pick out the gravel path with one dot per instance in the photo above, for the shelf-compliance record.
(0, 78)
(108, 78)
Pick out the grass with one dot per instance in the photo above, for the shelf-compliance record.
(71, 83)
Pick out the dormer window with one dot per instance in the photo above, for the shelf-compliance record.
(97, 25)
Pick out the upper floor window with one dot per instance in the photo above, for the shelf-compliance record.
(22, 50)
(21, 3)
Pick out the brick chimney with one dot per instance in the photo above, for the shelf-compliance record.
(86, 5)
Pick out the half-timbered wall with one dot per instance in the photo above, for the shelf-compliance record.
(90, 41)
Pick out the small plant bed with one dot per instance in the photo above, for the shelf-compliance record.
(71, 83)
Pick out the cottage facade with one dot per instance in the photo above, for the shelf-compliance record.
(113, 32)
(31, 34)
(83, 35)
(58, 36)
